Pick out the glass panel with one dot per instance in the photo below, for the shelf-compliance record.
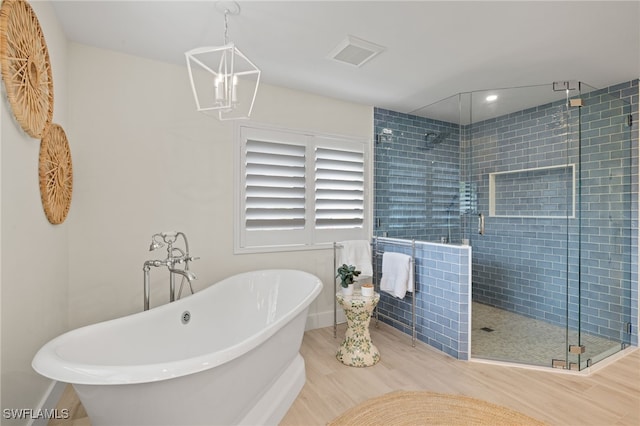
(520, 258)
(417, 175)
(605, 251)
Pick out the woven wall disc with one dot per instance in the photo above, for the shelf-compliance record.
(56, 174)
(26, 69)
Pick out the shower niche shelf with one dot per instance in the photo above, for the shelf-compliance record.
(540, 192)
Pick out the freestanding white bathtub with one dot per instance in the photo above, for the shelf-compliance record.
(235, 361)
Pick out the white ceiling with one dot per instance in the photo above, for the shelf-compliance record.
(433, 49)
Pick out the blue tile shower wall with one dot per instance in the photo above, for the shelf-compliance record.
(526, 265)
(442, 295)
(416, 177)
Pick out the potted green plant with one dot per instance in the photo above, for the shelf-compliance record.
(347, 273)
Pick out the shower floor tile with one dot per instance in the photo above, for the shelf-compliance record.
(500, 335)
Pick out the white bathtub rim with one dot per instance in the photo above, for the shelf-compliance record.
(47, 362)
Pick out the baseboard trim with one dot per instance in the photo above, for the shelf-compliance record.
(323, 319)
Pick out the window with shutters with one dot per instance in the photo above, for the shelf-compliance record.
(299, 190)
(339, 188)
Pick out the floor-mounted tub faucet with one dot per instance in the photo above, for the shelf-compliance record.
(175, 256)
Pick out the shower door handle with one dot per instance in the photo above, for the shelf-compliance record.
(481, 224)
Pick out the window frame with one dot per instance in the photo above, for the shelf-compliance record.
(309, 238)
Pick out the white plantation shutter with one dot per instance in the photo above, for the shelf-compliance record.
(339, 188)
(274, 186)
(298, 190)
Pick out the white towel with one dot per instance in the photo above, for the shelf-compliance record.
(397, 274)
(358, 254)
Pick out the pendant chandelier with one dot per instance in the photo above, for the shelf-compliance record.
(223, 80)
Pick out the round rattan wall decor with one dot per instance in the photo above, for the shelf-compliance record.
(56, 174)
(26, 69)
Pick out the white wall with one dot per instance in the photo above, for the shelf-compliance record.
(33, 253)
(147, 161)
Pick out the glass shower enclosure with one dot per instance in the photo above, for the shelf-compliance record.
(541, 181)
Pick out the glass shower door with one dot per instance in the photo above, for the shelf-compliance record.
(524, 164)
(600, 314)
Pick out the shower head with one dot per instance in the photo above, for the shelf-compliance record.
(433, 138)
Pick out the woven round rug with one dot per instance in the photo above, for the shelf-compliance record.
(409, 408)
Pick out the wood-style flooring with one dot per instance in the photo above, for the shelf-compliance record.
(609, 396)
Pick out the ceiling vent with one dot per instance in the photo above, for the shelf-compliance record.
(355, 51)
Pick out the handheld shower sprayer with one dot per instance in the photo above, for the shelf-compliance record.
(155, 244)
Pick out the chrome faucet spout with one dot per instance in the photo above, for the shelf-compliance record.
(187, 274)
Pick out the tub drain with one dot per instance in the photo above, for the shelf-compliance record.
(186, 316)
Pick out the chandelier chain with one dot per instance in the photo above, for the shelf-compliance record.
(226, 26)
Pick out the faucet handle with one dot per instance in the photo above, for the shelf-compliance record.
(155, 263)
(191, 258)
